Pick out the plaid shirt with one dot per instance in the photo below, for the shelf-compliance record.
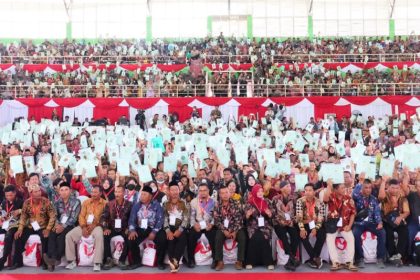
(111, 212)
(303, 216)
(71, 210)
(232, 212)
(282, 206)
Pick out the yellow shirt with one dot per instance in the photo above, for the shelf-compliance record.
(90, 207)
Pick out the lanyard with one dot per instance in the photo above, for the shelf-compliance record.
(66, 207)
(225, 210)
(146, 211)
(130, 195)
(260, 208)
(108, 193)
(9, 209)
(118, 209)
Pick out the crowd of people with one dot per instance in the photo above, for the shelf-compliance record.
(212, 49)
(183, 184)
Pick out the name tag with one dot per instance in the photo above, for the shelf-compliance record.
(90, 219)
(203, 224)
(143, 224)
(419, 220)
(260, 221)
(117, 223)
(366, 219)
(226, 223)
(340, 222)
(287, 216)
(5, 225)
(35, 226)
(172, 220)
(64, 219)
(311, 225)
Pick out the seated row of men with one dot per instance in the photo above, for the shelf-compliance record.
(176, 225)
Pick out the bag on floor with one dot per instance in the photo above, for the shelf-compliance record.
(282, 257)
(32, 253)
(341, 245)
(1, 244)
(230, 251)
(202, 252)
(117, 245)
(369, 245)
(149, 253)
(86, 251)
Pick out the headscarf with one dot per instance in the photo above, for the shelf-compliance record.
(259, 203)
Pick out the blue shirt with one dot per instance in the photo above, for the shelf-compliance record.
(153, 213)
(370, 202)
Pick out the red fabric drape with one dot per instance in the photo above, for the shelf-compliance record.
(288, 101)
(38, 110)
(180, 106)
(360, 100)
(69, 102)
(326, 105)
(142, 103)
(251, 106)
(103, 107)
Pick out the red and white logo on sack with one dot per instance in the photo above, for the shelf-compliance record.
(340, 243)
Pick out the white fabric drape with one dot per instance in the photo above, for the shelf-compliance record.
(11, 109)
(301, 112)
(377, 108)
(160, 108)
(230, 109)
(81, 112)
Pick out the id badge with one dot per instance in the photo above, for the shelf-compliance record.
(203, 224)
(64, 219)
(143, 224)
(311, 225)
(340, 222)
(367, 219)
(172, 220)
(260, 221)
(117, 223)
(287, 216)
(90, 219)
(35, 226)
(5, 225)
(226, 223)
(419, 220)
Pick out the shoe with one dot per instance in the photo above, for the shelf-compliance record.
(191, 264)
(131, 267)
(312, 264)
(171, 263)
(270, 267)
(360, 263)
(380, 264)
(248, 267)
(395, 257)
(15, 266)
(108, 264)
(335, 266)
(71, 265)
(295, 262)
(289, 265)
(161, 266)
(44, 266)
(121, 265)
(350, 266)
(97, 267)
(1, 265)
(220, 265)
(49, 262)
(239, 265)
(318, 262)
(51, 268)
(213, 264)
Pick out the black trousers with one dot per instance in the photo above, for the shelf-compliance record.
(402, 245)
(9, 237)
(133, 245)
(107, 245)
(20, 244)
(57, 244)
(314, 251)
(175, 247)
(290, 247)
(259, 250)
(193, 236)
